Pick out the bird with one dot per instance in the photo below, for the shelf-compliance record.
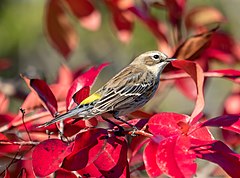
(126, 92)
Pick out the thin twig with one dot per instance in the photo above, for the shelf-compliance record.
(23, 115)
(140, 132)
(19, 143)
(185, 75)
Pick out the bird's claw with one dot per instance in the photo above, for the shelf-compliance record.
(134, 129)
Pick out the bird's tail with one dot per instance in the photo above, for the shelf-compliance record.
(71, 113)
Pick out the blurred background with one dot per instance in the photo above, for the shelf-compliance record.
(24, 48)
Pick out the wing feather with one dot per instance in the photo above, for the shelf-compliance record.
(126, 87)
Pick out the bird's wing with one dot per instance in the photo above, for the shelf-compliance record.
(124, 88)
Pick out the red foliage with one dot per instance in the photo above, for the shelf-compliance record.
(60, 32)
(151, 165)
(48, 156)
(167, 143)
(221, 154)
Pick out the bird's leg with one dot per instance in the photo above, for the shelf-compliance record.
(132, 126)
(120, 129)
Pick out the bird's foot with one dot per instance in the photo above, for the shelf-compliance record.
(134, 129)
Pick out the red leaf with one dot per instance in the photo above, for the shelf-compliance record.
(81, 8)
(174, 157)
(83, 93)
(48, 156)
(223, 42)
(149, 158)
(224, 48)
(228, 122)
(202, 16)
(166, 124)
(62, 173)
(185, 157)
(44, 93)
(88, 146)
(220, 154)
(84, 10)
(201, 133)
(86, 79)
(193, 47)
(112, 161)
(196, 73)
(72, 129)
(58, 28)
(90, 171)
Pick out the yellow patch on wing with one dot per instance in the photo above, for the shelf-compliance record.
(91, 98)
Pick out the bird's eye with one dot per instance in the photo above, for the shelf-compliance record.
(156, 56)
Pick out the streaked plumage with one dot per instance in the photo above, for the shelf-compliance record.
(126, 92)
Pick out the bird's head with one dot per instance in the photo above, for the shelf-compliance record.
(155, 61)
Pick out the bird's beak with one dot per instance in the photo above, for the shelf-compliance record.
(171, 59)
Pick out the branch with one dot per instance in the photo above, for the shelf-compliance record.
(206, 74)
(140, 132)
(23, 115)
(19, 143)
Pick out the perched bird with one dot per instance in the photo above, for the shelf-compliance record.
(126, 92)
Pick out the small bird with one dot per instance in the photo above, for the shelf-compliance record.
(126, 92)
